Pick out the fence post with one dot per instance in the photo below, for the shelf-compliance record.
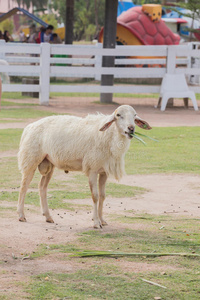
(45, 73)
(171, 66)
(98, 62)
(171, 60)
(2, 54)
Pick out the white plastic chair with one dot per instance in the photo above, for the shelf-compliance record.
(175, 86)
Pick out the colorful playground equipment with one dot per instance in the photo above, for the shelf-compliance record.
(143, 26)
(123, 6)
(184, 18)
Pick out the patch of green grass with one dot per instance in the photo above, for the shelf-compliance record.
(43, 249)
(9, 121)
(96, 284)
(179, 231)
(109, 282)
(23, 113)
(96, 95)
(9, 139)
(143, 241)
(32, 198)
(156, 234)
(9, 103)
(176, 152)
(112, 189)
(123, 95)
(198, 96)
(121, 190)
(54, 196)
(18, 95)
(10, 177)
(13, 95)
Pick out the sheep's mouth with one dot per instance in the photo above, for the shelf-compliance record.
(130, 135)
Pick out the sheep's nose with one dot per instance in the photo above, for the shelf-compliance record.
(131, 128)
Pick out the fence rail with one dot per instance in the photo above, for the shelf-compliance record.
(44, 61)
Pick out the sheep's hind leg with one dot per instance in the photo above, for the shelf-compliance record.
(26, 179)
(95, 196)
(43, 194)
(102, 184)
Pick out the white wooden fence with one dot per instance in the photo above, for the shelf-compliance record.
(45, 60)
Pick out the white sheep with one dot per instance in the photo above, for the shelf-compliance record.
(89, 144)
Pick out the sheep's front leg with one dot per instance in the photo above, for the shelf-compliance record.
(102, 185)
(43, 195)
(95, 196)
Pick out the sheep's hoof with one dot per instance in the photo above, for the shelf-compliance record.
(104, 223)
(97, 226)
(22, 219)
(49, 220)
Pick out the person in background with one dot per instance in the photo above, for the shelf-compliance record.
(7, 37)
(33, 37)
(22, 36)
(56, 39)
(33, 34)
(38, 40)
(1, 35)
(47, 35)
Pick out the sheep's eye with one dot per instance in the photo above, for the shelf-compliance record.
(118, 115)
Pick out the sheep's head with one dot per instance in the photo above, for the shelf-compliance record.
(125, 118)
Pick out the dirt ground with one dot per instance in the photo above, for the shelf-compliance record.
(167, 194)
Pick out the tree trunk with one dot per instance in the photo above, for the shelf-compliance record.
(109, 41)
(69, 21)
(96, 9)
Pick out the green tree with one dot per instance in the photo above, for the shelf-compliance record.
(7, 25)
(50, 19)
(86, 13)
(194, 7)
(69, 22)
(88, 16)
(35, 3)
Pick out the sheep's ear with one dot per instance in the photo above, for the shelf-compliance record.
(109, 123)
(142, 124)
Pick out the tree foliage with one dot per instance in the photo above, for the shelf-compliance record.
(88, 16)
(194, 7)
(28, 3)
(7, 25)
(50, 19)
